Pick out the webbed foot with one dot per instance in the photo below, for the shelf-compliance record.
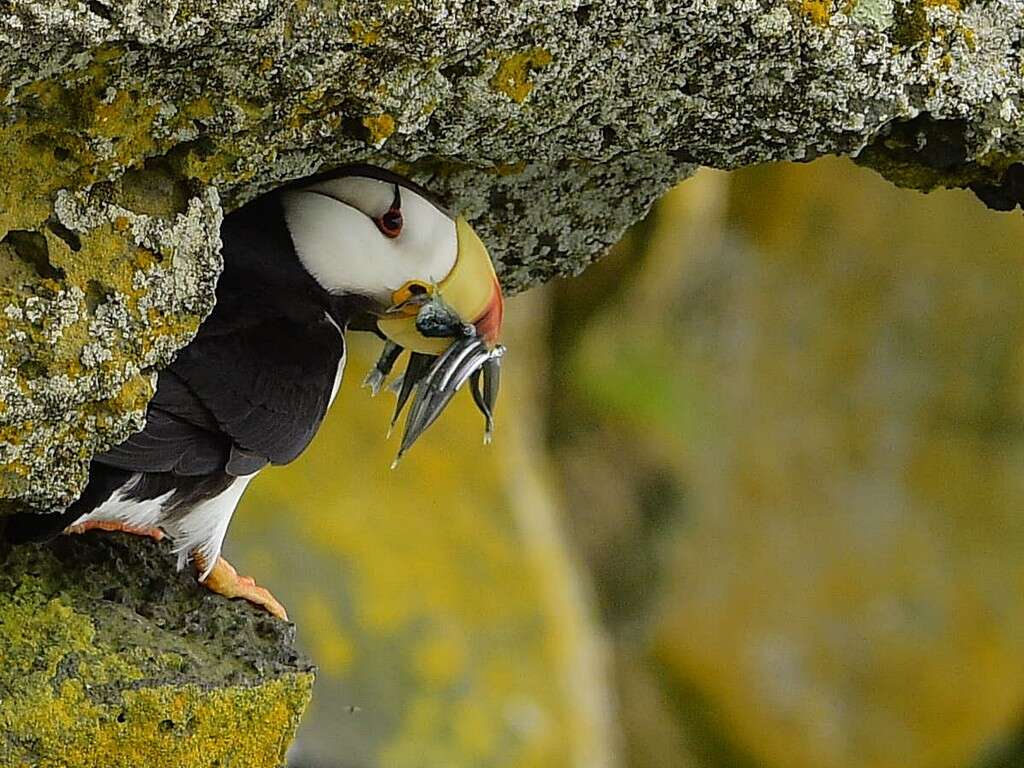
(224, 580)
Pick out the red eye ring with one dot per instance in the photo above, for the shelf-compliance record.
(390, 224)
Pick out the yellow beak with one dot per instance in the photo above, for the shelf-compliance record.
(471, 289)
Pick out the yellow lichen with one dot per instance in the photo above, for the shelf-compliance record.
(513, 74)
(75, 130)
(911, 24)
(200, 109)
(818, 11)
(107, 53)
(381, 127)
(365, 34)
(509, 169)
(105, 715)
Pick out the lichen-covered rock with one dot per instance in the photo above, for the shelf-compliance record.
(91, 305)
(109, 660)
(552, 125)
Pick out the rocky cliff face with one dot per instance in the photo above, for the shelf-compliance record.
(128, 128)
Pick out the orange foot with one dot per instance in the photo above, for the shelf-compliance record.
(109, 525)
(224, 580)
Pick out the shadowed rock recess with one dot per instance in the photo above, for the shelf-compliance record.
(128, 127)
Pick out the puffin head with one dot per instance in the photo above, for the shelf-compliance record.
(424, 274)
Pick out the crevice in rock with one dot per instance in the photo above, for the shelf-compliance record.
(70, 238)
(95, 294)
(31, 248)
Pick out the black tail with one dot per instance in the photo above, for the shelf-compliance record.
(27, 526)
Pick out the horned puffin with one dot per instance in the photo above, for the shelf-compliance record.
(357, 248)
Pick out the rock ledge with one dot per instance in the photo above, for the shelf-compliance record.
(109, 658)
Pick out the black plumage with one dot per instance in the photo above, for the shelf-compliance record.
(251, 389)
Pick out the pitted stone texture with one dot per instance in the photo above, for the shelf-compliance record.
(111, 660)
(265, 91)
(553, 125)
(79, 353)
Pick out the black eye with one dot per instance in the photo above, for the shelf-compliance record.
(390, 224)
(417, 289)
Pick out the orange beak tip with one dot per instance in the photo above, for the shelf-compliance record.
(488, 325)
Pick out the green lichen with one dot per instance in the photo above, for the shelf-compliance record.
(101, 669)
(874, 13)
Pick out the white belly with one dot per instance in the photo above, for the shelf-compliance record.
(200, 529)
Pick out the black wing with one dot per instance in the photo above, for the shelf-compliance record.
(236, 401)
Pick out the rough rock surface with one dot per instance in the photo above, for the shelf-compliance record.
(106, 660)
(552, 125)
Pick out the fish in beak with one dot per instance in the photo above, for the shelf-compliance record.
(451, 330)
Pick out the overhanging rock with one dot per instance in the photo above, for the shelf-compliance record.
(127, 126)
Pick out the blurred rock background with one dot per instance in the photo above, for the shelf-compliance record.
(754, 500)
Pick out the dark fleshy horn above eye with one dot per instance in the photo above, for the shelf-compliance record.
(390, 222)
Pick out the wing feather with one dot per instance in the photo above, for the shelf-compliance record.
(237, 401)
(268, 386)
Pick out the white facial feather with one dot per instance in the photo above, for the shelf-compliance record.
(371, 196)
(341, 247)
